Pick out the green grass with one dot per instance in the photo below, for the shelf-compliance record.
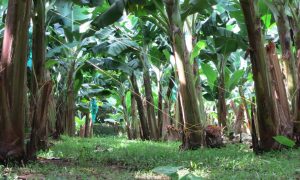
(118, 158)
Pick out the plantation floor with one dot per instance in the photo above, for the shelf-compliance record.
(118, 158)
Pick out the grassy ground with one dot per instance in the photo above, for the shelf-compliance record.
(117, 158)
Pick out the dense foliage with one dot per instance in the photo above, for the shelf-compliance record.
(205, 73)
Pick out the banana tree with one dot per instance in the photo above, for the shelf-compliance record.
(294, 16)
(41, 88)
(12, 81)
(91, 96)
(116, 70)
(67, 69)
(191, 118)
(155, 12)
(232, 78)
(144, 42)
(68, 38)
(281, 14)
(272, 110)
(167, 15)
(221, 41)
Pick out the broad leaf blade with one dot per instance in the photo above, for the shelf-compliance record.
(285, 141)
(210, 74)
(167, 170)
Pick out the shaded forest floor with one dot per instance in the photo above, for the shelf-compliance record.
(118, 158)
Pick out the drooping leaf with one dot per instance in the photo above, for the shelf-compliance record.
(115, 46)
(79, 122)
(78, 81)
(105, 33)
(167, 54)
(283, 140)
(196, 51)
(234, 79)
(267, 20)
(128, 101)
(113, 14)
(193, 6)
(50, 63)
(167, 170)
(119, 45)
(59, 49)
(83, 107)
(210, 74)
(227, 41)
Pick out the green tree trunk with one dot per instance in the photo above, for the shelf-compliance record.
(193, 130)
(88, 126)
(166, 115)
(41, 90)
(160, 111)
(51, 110)
(126, 116)
(245, 104)
(199, 91)
(285, 124)
(267, 84)
(134, 123)
(296, 30)
(12, 81)
(139, 101)
(297, 108)
(60, 116)
(194, 39)
(70, 102)
(152, 121)
(288, 56)
(221, 104)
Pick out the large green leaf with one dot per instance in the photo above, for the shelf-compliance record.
(78, 81)
(235, 79)
(128, 101)
(50, 63)
(70, 15)
(227, 77)
(105, 63)
(119, 45)
(224, 30)
(190, 7)
(90, 90)
(208, 93)
(198, 47)
(285, 141)
(267, 20)
(105, 33)
(157, 57)
(115, 46)
(113, 14)
(170, 171)
(4, 2)
(226, 41)
(59, 49)
(210, 74)
(79, 122)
